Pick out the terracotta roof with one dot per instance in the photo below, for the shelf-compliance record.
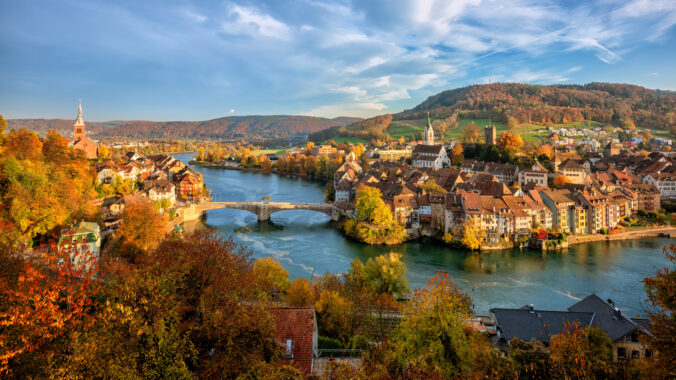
(297, 324)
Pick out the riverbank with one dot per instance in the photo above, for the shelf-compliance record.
(628, 235)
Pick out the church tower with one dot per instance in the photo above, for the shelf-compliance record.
(79, 127)
(428, 138)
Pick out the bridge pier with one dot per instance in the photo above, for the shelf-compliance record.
(262, 213)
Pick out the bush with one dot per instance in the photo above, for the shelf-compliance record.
(326, 343)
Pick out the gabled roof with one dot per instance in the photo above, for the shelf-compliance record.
(607, 317)
(427, 149)
(297, 323)
(527, 324)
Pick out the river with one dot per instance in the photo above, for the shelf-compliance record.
(306, 244)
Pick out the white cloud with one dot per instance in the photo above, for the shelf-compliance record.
(232, 110)
(366, 109)
(250, 21)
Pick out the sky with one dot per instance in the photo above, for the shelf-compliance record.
(200, 60)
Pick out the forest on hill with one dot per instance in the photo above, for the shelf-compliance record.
(624, 105)
(231, 127)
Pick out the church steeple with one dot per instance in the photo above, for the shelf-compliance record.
(79, 127)
(428, 138)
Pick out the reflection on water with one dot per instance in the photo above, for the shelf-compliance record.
(306, 244)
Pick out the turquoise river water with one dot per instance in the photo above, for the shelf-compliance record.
(307, 244)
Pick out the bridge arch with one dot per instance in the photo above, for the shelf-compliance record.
(263, 210)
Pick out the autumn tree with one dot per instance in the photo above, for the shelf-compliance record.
(104, 152)
(272, 273)
(24, 145)
(46, 301)
(545, 149)
(578, 353)
(471, 133)
(661, 291)
(561, 180)
(457, 154)
(430, 341)
(141, 229)
(387, 273)
(192, 309)
(472, 234)
(308, 147)
(55, 147)
(300, 293)
(431, 186)
(512, 123)
(336, 315)
(368, 200)
(510, 142)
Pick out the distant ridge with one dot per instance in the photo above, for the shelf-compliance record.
(230, 127)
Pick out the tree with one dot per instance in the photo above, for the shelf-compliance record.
(545, 149)
(581, 353)
(456, 153)
(661, 291)
(55, 147)
(472, 234)
(561, 180)
(367, 201)
(512, 123)
(336, 314)
(431, 186)
(308, 147)
(141, 229)
(510, 142)
(471, 133)
(24, 145)
(300, 293)
(201, 154)
(387, 274)
(104, 152)
(271, 272)
(429, 341)
(40, 305)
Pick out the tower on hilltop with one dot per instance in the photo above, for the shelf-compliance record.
(428, 137)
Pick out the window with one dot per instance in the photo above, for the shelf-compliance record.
(288, 354)
(648, 353)
(621, 353)
(635, 354)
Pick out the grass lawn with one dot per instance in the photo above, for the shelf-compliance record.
(350, 140)
(277, 151)
(396, 130)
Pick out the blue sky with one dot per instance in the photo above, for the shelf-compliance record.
(198, 60)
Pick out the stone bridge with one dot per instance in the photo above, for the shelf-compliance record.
(263, 210)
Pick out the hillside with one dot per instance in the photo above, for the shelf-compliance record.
(601, 102)
(63, 126)
(231, 127)
(619, 104)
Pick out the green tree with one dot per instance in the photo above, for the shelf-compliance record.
(387, 273)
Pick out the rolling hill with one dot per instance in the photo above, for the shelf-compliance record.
(231, 127)
(620, 104)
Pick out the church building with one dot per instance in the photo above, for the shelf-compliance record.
(429, 154)
(80, 141)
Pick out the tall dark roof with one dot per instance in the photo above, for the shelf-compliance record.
(613, 322)
(528, 324)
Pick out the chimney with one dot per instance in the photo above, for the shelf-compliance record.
(617, 314)
(531, 308)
